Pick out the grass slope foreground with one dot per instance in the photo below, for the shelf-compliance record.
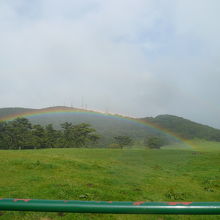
(169, 174)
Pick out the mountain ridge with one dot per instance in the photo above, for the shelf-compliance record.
(110, 125)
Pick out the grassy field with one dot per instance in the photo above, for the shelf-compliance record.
(174, 173)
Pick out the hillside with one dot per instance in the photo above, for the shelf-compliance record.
(106, 125)
(5, 112)
(110, 175)
(185, 128)
(109, 126)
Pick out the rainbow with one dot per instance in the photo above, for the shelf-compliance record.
(62, 109)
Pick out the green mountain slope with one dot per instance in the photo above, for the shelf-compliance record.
(109, 126)
(5, 112)
(185, 128)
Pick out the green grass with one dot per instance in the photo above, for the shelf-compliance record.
(173, 173)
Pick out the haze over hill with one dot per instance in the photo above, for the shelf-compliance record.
(109, 125)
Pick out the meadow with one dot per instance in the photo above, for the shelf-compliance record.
(173, 173)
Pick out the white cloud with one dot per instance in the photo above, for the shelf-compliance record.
(139, 57)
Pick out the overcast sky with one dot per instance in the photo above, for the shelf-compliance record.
(133, 57)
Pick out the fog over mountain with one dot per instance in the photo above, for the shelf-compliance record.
(138, 58)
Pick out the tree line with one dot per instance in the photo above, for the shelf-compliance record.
(21, 134)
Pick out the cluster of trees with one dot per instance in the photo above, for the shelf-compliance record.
(21, 134)
(152, 142)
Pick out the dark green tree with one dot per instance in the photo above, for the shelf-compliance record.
(67, 134)
(155, 142)
(123, 141)
(83, 134)
(52, 136)
(19, 133)
(79, 135)
(4, 138)
(38, 137)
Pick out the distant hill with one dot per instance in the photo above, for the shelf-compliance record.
(185, 128)
(109, 126)
(5, 112)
